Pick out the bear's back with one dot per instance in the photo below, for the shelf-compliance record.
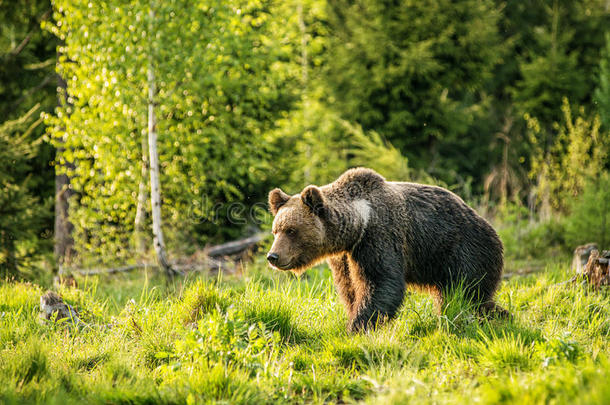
(443, 234)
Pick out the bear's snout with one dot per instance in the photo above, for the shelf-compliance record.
(272, 258)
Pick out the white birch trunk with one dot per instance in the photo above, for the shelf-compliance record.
(140, 231)
(155, 188)
(303, 31)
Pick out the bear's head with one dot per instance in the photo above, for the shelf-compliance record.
(299, 229)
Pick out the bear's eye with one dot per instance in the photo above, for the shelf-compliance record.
(291, 231)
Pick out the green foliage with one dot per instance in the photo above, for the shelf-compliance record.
(219, 78)
(256, 94)
(202, 299)
(415, 73)
(554, 53)
(22, 214)
(27, 86)
(578, 154)
(326, 145)
(506, 351)
(590, 215)
(551, 72)
(371, 150)
(27, 59)
(602, 93)
(313, 144)
(27, 366)
(226, 339)
(524, 239)
(557, 349)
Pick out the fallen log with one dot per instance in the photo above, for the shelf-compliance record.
(111, 270)
(235, 247)
(211, 264)
(214, 258)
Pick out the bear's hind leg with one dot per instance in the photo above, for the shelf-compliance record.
(437, 297)
(490, 309)
(484, 306)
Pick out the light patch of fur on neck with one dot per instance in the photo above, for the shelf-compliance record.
(363, 209)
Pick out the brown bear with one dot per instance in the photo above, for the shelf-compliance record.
(379, 236)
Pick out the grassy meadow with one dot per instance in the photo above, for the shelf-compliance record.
(263, 336)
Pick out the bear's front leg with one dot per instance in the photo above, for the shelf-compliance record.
(377, 307)
(379, 285)
(343, 283)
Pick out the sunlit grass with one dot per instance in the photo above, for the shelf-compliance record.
(268, 336)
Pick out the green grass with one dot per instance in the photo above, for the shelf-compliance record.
(269, 337)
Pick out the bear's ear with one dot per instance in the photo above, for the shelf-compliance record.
(277, 198)
(312, 197)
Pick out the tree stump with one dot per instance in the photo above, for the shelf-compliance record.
(53, 308)
(597, 269)
(64, 280)
(581, 257)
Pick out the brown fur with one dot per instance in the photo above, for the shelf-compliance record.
(379, 236)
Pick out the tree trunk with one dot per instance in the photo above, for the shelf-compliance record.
(8, 269)
(545, 211)
(139, 225)
(64, 244)
(155, 188)
(304, 79)
(303, 31)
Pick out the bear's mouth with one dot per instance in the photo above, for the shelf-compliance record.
(283, 267)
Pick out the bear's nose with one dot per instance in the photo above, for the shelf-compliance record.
(272, 258)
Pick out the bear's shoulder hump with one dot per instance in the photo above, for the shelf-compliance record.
(362, 176)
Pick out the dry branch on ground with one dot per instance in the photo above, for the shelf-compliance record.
(223, 257)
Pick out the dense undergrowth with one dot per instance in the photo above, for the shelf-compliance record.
(264, 336)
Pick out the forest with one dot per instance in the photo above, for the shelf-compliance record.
(138, 135)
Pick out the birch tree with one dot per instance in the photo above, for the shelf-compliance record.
(155, 187)
(140, 219)
(197, 88)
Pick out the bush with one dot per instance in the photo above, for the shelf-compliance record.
(588, 221)
(22, 214)
(589, 218)
(524, 239)
(224, 338)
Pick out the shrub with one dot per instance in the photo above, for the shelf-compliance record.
(227, 339)
(589, 218)
(525, 240)
(578, 154)
(22, 214)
